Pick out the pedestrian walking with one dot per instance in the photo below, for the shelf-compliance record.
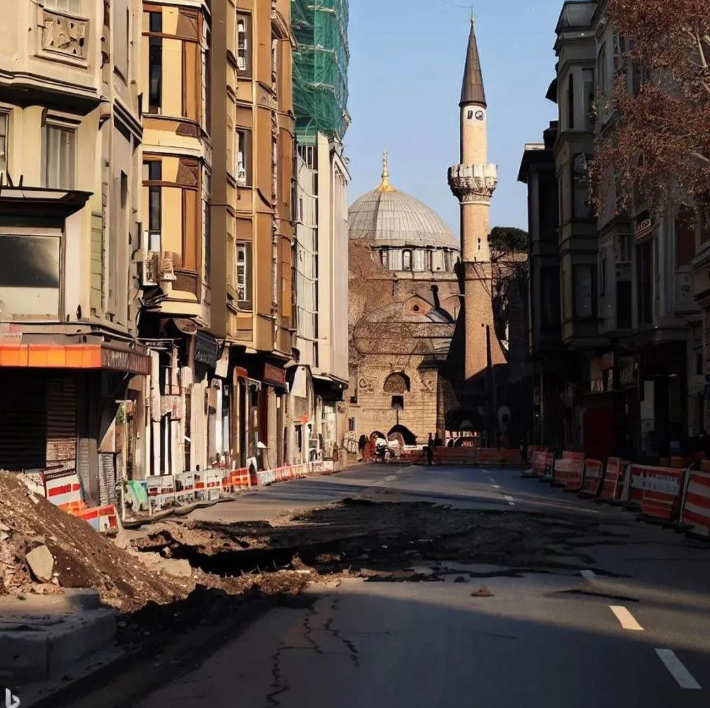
(430, 451)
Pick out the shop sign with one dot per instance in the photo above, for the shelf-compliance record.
(206, 349)
(10, 333)
(643, 228)
(274, 374)
(121, 360)
(627, 371)
(160, 345)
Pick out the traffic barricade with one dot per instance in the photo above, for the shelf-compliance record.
(613, 484)
(568, 470)
(185, 488)
(591, 481)
(63, 488)
(102, 518)
(660, 491)
(542, 463)
(161, 492)
(488, 456)
(511, 457)
(696, 505)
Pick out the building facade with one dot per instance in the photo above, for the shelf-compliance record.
(402, 317)
(70, 206)
(623, 369)
(319, 377)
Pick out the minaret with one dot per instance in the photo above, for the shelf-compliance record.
(473, 183)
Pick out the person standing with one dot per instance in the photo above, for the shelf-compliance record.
(524, 447)
(430, 451)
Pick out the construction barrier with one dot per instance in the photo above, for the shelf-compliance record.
(63, 489)
(568, 471)
(613, 484)
(657, 490)
(488, 456)
(696, 506)
(103, 518)
(592, 479)
(542, 463)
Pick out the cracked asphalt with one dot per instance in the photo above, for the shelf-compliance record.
(623, 622)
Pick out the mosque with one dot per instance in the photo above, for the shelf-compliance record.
(430, 361)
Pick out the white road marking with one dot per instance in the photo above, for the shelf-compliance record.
(390, 478)
(493, 481)
(588, 574)
(626, 618)
(509, 499)
(680, 673)
(496, 486)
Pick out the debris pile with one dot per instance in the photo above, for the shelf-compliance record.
(43, 549)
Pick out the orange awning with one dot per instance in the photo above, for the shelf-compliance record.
(73, 356)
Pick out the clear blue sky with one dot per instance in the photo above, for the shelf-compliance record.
(406, 65)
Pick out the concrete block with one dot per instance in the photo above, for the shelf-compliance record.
(41, 563)
(24, 656)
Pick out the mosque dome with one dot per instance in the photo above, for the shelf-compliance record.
(388, 218)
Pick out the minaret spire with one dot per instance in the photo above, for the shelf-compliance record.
(472, 90)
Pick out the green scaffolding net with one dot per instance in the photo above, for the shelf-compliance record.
(320, 67)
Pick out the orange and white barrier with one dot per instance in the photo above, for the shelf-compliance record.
(542, 463)
(613, 485)
(63, 489)
(696, 506)
(568, 470)
(593, 473)
(658, 490)
(103, 518)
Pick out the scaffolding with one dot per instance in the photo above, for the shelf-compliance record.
(320, 68)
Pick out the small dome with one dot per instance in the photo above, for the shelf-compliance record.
(393, 218)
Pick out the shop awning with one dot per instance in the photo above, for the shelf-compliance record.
(75, 356)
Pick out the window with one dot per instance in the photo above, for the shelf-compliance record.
(570, 102)
(243, 48)
(644, 282)
(406, 260)
(602, 71)
(602, 276)
(588, 87)
(685, 235)
(207, 225)
(550, 297)
(155, 22)
(584, 296)
(384, 257)
(59, 147)
(242, 276)
(581, 204)
(3, 141)
(155, 73)
(351, 425)
(73, 7)
(29, 275)
(207, 82)
(623, 304)
(428, 260)
(152, 172)
(242, 168)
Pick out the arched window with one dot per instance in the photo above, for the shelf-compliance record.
(384, 258)
(406, 260)
(397, 382)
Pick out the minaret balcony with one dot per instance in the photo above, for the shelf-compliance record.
(473, 183)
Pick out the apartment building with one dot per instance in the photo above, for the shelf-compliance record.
(70, 208)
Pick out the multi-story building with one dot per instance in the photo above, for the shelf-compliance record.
(318, 381)
(183, 430)
(252, 217)
(622, 374)
(70, 206)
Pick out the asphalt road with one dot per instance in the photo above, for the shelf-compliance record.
(575, 639)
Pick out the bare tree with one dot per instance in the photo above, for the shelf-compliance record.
(654, 127)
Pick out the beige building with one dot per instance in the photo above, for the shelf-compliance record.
(400, 343)
(70, 137)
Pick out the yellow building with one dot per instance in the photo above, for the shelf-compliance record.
(70, 137)
(252, 228)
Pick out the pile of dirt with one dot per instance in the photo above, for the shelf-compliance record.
(82, 558)
(145, 586)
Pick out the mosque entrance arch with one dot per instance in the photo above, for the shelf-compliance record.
(403, 434)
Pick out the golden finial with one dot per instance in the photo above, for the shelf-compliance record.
(385, 185)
